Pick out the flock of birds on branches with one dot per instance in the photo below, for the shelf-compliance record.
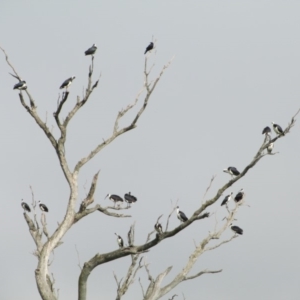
(129, 198)
(21, 85)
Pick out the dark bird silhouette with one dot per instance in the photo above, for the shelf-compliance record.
(43, 207)
(149, 47)
(278, 130)
(91, 51)
(232, 171)
(239, 196)
(158, 228)
(21, 85)
(181, 216)
(25, 206)
(236, 229)
(227, 199)
(67, 82)
(129, 199)
(120, 241)
(266, 130)
(114, 198)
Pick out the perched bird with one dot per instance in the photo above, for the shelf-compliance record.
(232, 171)
(67, 82)
(239, 196)
(266, 130)
(149, 47)
(43, 207)
(91, 51)
(120, 241)
(236, 229)
(129, 199)
(270, 147)
(278, 130)
(25, 206)
(158, 228)
(114, 198)
(21, 85)
(181, 216)
(227, 199)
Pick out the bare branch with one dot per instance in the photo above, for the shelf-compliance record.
(79, 264)
(201, 273)
(90, 197)
(117, 132)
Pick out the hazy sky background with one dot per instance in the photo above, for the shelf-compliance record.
(236, 70)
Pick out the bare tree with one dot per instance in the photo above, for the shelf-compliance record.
(38, 229)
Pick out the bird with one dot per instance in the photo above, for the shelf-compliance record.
(149, 47)
(227, 199)
(21, 85)
(270, 148)
(120, 241)
(43, 207)
(114, 198)
(278, 130)
(239, 196)
(67, 82)
(236, 229)
(181, 216)
(129, 198)
(158, 228)
(266, 130)
(232, 171)
(25, 206)
(91, 51)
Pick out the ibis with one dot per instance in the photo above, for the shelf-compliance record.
(227, 199)
(158, 228)
(278, 130)
(67, 82)
(21, 85)
(266, 130)
(91, 51)
(130, 198)
(114, 198)
(232, 171)
(120, 241)
(149, 47)
(236, 229)
(43, 207)
(239, 196)
(181, 216)
(25, 206)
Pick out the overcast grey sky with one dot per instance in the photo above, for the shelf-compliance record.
(236, 70)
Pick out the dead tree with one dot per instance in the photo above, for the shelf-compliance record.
(38, 229)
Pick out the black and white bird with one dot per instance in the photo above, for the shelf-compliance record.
(239, 196)
(25, 206)
(120, 241)
(114, 198)
(149, 47)
(266, 130)
(181, 216)
(129, 199)
(91, 51)
(21, 85)
(236, 229)
(270, 148)
(67, 82)
(278, 130)
(43, 207)
(232, 171)
(158, 228)
(227, 199)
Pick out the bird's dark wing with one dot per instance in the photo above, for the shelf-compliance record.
(183, 216)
